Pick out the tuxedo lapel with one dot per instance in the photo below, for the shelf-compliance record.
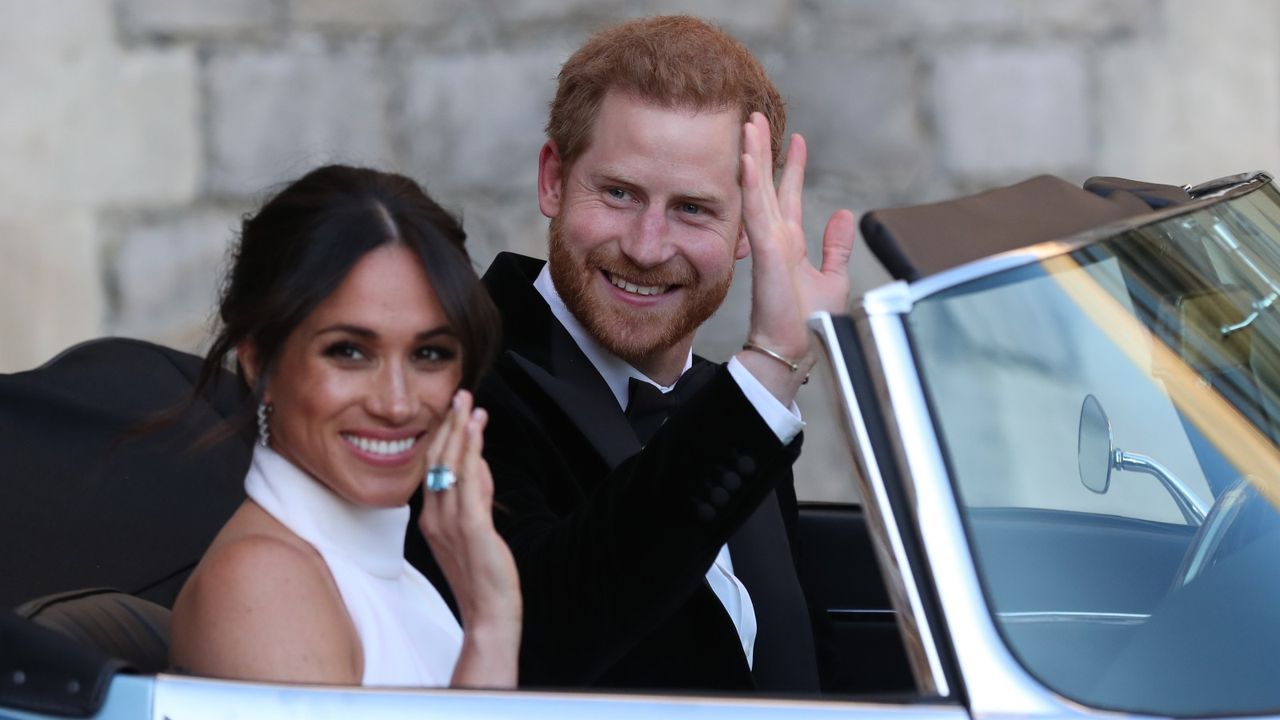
(594, 411)
(541, 348)
(784, 654)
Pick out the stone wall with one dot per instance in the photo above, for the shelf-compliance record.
(136, 132)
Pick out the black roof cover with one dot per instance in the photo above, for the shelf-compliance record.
(82, 502)
(921, 240)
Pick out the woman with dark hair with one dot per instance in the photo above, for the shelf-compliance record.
(358, 326)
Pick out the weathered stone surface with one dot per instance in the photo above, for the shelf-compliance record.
(374, 14)
(208, 103)
(860, 117)
(476, 121)
(875, 22)
(1171, 116)
(514, 12)
(50, 289)
(164, 272)
(274, 114)
(497, 223)
(85, 123)
(1002, 112)
(745, 19)
(140, 19)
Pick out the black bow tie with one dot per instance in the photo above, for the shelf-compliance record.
(648, 407)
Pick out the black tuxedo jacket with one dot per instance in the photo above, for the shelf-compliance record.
(613, 542)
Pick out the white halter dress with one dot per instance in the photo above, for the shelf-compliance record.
(409, 636)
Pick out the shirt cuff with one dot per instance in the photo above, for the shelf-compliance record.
(783, 421)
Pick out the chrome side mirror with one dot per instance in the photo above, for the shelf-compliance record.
(1097, 456)
(1094, 446)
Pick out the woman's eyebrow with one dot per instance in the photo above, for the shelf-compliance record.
(442, 330)
(370, 334)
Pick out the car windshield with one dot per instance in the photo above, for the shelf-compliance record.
(1109, 417)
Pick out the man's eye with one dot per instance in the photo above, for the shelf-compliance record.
(690, 209)
(344, 351)
(617, 193)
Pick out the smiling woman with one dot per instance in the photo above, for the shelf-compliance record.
(358, 326)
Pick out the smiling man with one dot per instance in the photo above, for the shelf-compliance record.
(645, 492)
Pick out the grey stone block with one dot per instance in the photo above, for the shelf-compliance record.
(164, 272)
(475, 121)
(859, 23)
(50, 289)
(275, 114)
(1167, 115)
(196, 19)
(374, 14)
(747, 20)
(1003, 112)
(86, 123)
(497, 223)
(861, 117)
(511, 12)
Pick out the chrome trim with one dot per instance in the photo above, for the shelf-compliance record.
(891, 299)
(1103, 618)
(917, 636)
(960, 274)
(1193, 508)
(995, 682)
(1218, 186)
(991, 265)
(188, 698)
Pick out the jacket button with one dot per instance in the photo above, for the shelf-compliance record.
(706, 513)
(731, 481)
(719, 497)
(746, 465)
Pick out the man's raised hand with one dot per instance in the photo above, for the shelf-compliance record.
(786, 287)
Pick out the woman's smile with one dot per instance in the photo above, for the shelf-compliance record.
(362, 381)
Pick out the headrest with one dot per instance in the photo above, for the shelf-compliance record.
(118, 625)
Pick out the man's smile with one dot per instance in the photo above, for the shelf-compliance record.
(619, 282)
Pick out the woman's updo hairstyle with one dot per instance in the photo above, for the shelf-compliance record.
(296, 251)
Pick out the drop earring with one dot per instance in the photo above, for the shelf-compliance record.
(264, 430)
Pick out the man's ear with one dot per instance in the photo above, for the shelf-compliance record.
(743, 247)
(247, 359)
(550, 179)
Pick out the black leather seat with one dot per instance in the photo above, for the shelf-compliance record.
(117, 624)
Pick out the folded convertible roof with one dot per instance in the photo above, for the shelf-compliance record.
(920, 240)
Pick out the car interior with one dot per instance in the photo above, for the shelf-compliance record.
(115, 490)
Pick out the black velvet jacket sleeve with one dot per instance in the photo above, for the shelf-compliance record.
(608, 557)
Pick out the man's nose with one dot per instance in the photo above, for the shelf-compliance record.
(392, 398)
(648, 241)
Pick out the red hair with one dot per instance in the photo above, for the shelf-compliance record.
(673, 61)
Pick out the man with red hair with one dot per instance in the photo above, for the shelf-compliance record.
(646, 493)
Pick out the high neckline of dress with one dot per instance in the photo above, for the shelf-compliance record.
(373, 538)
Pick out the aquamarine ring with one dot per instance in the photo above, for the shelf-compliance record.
(440, 478)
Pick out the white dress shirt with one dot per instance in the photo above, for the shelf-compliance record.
(785, 423)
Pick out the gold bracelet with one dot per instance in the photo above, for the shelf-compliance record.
(791, 364)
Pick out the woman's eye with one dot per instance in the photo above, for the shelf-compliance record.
(344, 351)
(435, 354)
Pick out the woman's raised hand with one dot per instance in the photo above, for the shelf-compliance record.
(457, 523)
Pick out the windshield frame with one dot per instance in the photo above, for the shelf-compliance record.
(990, 676)
(899, 297)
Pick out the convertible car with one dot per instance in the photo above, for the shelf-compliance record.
(1062, 414)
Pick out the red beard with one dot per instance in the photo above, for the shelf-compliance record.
(633, 334)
